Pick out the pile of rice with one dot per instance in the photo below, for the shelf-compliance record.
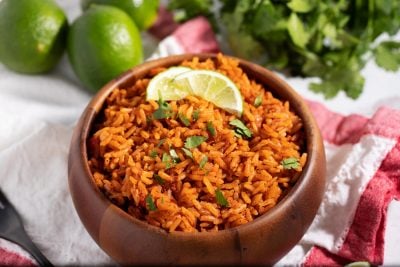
(127, 146)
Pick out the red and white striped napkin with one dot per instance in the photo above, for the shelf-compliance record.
(363, 171)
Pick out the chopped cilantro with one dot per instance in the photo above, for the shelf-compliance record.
(211, 129)
(161, 142)
(158, 179)
(221, 200)
(187, 152)
(174, 155)
(240, 128)
(387, 55)
(149, 119)
(237, 134)
(167, 160)
(258, 101)
(153, 153)
(203, 162)
(150, 203)
(194, 141)
(196, 114)
(184, 119)
(290, 163)
(164, 110)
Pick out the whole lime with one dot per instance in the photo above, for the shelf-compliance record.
(143, 12)
(102, 43)
(32, 34)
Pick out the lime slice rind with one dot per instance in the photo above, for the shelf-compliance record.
(163, 82)
(178, 82)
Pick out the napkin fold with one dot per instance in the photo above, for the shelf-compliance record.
(363, 170)
(363, 178)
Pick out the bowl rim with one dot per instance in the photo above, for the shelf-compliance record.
(297, 104)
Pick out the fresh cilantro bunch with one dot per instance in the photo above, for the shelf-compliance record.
(187, 9)
(330, 39)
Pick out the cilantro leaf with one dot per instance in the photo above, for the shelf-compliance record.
(187, 152)
(196, 114)
(211, 129)
(153, 154)
(174, 156)
(258, 101)
(241, 128)
(167, 160)
(158, 179)
(203, 161)
(221, 200)
(301, 6)
(151, 206)
(164, 110)
(387, 55)
(184, 119)
(290, 163)
(297, 32)
(185, 10)
(344, 77)
(194, 141)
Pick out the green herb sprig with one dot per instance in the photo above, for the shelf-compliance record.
(153, 154)
(174, 156)
(221, 200)
(331, 39)
(184, 119)
(258, 101)
(164, 110)
(187, 152)
(290, 163)
(240, 128)
(158, 179)
(194, 141)
(196, 115)
(203, 161)
(167, 160)
(151, 206)
(211, 128)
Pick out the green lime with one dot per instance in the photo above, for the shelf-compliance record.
(32, 34)
(103, 43)
(143, 12)
(209, 85)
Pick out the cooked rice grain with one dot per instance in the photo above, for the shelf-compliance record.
(127, 148)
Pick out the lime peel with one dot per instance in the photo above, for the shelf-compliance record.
(178, 82)
(160, 84)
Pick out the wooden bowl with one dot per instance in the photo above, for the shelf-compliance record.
(265, 240)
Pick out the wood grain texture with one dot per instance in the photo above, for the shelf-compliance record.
(263, 241)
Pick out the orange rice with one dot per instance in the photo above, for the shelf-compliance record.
(127, 147)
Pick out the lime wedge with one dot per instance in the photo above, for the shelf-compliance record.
(209, 85)
(161, 84)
